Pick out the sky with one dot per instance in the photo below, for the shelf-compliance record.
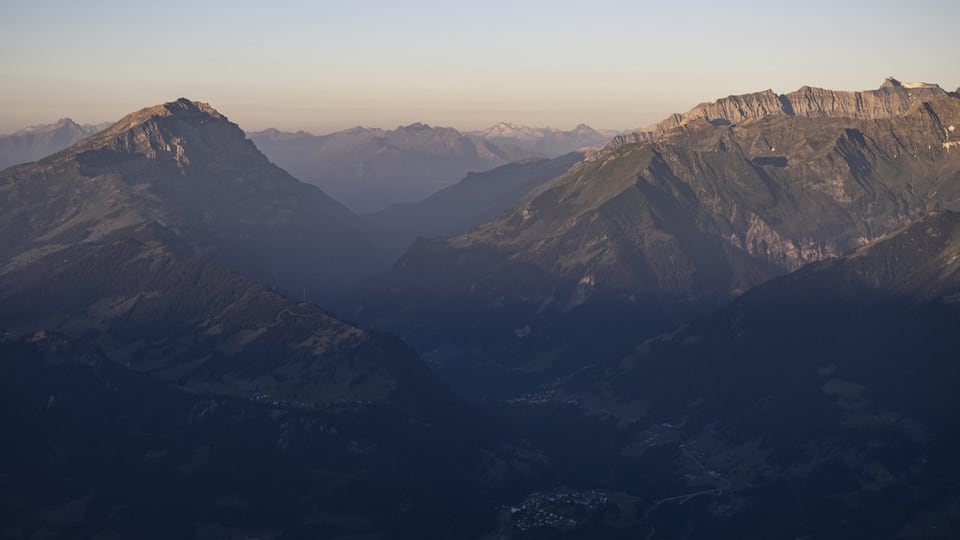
(322, 66)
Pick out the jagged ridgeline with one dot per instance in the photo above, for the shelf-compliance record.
(647, 234)
(891, 99)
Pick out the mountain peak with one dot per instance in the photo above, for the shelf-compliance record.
(181, 131)
(890, 82)
(66, 121)
(182, 108)
(416, 126)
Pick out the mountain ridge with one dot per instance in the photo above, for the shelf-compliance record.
(455, 209)
(891, 99)
(665, 230)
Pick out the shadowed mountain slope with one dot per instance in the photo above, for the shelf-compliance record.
(893, 98)
(818, 404)
(544, 142)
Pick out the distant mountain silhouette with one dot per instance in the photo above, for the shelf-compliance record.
(544, 142)
(35, 142)
(893, 98)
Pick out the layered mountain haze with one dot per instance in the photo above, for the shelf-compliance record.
(545, 142)
(369, 169)
(456, 209)
(35, 142)
(139, 352)
(188, 168)
(664, 230)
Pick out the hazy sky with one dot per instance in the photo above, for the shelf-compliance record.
(321, 66)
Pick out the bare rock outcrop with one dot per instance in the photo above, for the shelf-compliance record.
(893, 98)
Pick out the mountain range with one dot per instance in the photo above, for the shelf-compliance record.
(660, 231)
(369, 169)
(739, 323)
(474, 200)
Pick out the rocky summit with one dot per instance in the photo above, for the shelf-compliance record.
(185, 166)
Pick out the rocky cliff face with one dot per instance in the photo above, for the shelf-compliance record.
(893, 98)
